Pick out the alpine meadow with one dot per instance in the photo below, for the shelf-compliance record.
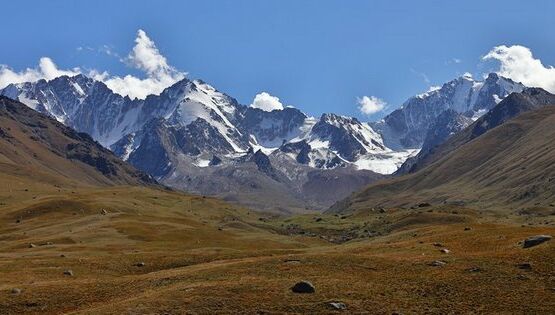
(277, 157)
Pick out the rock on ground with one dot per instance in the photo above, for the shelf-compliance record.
(303, 287)
(437, 263)
(536, 240)
(338, 305)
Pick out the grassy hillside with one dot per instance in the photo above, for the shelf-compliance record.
(513, 105)
(154, 251)
(35, 146)
(510, 168)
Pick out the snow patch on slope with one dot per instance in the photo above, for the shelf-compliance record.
(386, 163)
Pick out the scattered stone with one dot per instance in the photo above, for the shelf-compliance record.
(303, 287)
(445, 250)
(424, 205)
(32, 245)
(318, 219)
(524, 266)
(437, 263)
(437, 244)
(48, 243)
(68, 272)
(467, 229)
(338, 305)
(536, 240)
(16, 291)
(474, 269)
(522, 277)
(62, 255)
(140, 264)
(104, 212)
(18, 221)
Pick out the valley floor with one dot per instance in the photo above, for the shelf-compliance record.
(139, 250)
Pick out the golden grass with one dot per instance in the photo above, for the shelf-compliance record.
(204, 256)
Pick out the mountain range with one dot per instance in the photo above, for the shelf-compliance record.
(503, 161)
(196, 138)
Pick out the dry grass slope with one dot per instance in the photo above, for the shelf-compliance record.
(34, 145)
(509, 168)
(203, 256)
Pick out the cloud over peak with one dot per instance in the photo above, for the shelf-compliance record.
(518, 63)
(266, 102)
(144, 56)
(47, 69)
(369, 105)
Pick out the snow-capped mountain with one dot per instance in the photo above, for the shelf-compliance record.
(452, 130)
(407, 126)
(333, 141)
(79, 102)
(90, 106)
(200, 122)
(272, 129)
(194, 137)
(193, 119)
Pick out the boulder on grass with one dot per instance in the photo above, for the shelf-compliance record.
(303, 287)
(536, 240)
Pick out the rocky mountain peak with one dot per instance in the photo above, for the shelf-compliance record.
(407, 126)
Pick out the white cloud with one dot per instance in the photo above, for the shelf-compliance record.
(144, 56)
(266, 102)
(369, 105)
(47, 69)
(456, 60)
(518, 63)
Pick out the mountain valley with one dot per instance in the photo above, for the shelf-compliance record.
(83, 232)
(194, 138)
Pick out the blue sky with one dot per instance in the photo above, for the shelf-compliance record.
(319, 56)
